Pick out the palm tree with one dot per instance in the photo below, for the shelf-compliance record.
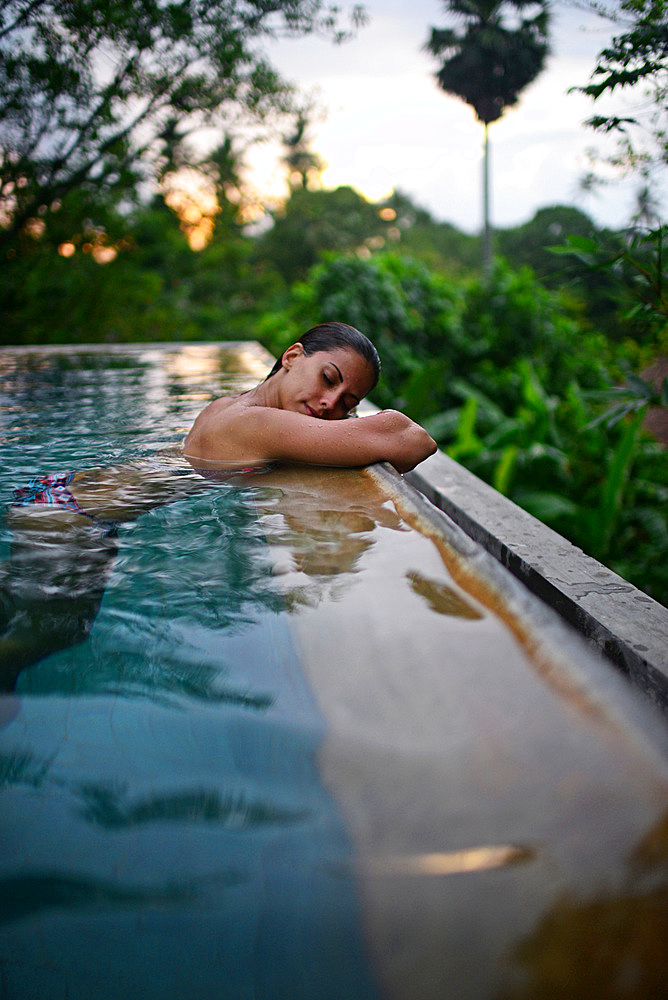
(500, 48)
(303, 164)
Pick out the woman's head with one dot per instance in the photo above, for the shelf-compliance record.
(326, 372)
(329, 336)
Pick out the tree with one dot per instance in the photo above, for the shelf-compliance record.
(94, 92)
(311, 223)
(303, 164)
(531, 245)
(501, 48)
(636, 60)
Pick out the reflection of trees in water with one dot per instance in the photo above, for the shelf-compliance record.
(91, 407)
(22, 768)
(32, 892)
(153, 675)
(113, 808)
(612, 946)
(188, 574)
(79, 403)
(441, 598)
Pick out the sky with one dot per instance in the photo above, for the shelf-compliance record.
(389, 127)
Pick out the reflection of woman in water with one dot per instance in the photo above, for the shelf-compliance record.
(64, 527)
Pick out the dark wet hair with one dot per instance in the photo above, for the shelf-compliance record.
(326, 336)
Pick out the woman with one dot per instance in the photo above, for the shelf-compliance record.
(297, 414)
(64, 527)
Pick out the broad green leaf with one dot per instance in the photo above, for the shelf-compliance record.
(615, 480)
(504, 470)
(583, 244)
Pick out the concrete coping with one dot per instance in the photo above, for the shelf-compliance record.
(626, 625)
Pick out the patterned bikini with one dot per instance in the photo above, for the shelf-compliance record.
(53, 491)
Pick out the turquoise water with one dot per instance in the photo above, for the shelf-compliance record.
(285, 744)
(165, 832)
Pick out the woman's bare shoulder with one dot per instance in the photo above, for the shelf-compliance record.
(217, 413)
(218, 431)
(218, 407)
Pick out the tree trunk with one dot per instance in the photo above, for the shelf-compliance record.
(487, 231)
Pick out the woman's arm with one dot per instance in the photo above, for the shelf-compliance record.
(261, 433)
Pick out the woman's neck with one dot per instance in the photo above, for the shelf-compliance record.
(265, 394)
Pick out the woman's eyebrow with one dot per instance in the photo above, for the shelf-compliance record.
(341, 377)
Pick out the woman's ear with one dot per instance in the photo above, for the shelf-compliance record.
(291, 354)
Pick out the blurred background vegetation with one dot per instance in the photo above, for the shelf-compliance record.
(542, 369)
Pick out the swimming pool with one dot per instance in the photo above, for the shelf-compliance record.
(305, 749)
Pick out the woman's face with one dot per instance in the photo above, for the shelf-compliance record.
(327, 384)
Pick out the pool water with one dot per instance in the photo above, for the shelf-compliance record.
(294, 753)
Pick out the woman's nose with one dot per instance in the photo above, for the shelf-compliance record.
(328, 404)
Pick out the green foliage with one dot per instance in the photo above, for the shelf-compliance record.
(49, 299)
(430, 330)
(407, 311)
(636, 394)
(638, 55)
(156, 288)
(636, 271)
(603, 487)
(93, 93)
(636, 61)
(312, 223)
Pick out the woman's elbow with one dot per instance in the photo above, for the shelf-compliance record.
(419, 447)
(403, 443)
(412, 445)
(428, 444)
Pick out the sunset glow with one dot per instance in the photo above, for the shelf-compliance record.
(192, 196)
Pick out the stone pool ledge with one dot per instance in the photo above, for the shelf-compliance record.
(626, 625)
